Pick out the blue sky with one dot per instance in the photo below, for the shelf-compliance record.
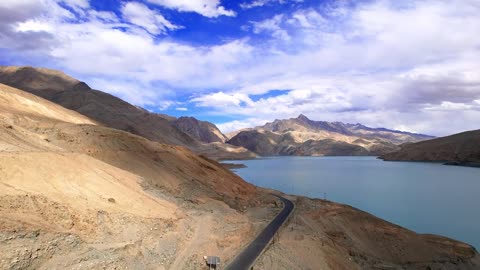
(411, 65)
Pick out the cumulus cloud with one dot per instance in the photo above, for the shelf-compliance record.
(411, 66)
(221, 99)
(207, 8)
(237, 125)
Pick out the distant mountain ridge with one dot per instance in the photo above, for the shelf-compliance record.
(302, 136)
(113, 112)
(302, 123)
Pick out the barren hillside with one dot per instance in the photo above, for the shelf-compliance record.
(73, 190)
(111, 111)
(201, 130)
(462, 148)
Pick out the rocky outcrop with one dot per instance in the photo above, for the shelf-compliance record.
(462, 149)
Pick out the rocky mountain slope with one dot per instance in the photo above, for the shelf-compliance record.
(200, 130)
(114, 112)
(266, 143)
(78, 195)
(302, 136)
(461, 148)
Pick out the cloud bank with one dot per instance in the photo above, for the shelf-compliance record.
(412, 65)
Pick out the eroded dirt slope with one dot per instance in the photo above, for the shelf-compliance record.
(75, 194)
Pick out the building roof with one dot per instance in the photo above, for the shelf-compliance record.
(213, 260)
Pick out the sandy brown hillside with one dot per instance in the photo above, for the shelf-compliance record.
(462, 148)
(109, 110)
(73, 191)
(19, 102)
(25, 116)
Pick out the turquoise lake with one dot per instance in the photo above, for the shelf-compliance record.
(423, 197)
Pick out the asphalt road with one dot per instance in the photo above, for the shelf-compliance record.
(247, 257)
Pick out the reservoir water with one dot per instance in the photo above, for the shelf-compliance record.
(423, 197)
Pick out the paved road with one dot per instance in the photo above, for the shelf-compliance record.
(247, 257)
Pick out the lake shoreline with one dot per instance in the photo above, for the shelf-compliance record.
(394, 189)
(233, 166)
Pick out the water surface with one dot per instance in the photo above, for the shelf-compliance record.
(424, 197)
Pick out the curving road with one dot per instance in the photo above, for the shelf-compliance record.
(247, 257)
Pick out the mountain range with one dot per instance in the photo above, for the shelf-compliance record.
(305, 137)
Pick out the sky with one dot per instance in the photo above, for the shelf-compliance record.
(411, 65)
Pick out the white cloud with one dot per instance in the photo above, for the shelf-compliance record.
(77, 3)
(152, 21)
(105, 16)
(308, 19)
(222, 100)
(237, 125)
(452, 106)
(34, 26)
(261, 3)
(377, 63)
(257, 3)
(207, 8)
(272, 26)
(133, 91)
